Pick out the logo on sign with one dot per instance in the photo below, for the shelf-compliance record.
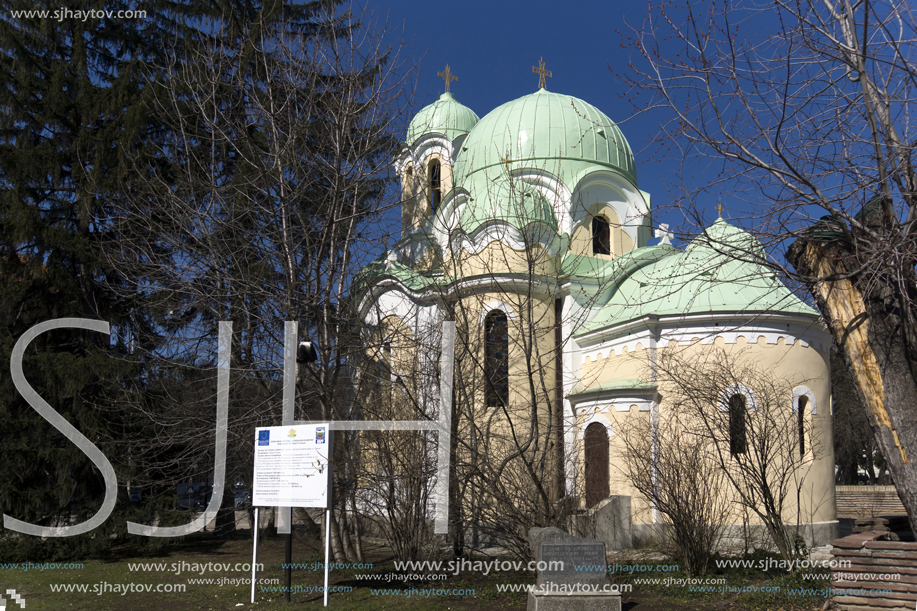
(319, 434)
(292, 433)
(264, 438)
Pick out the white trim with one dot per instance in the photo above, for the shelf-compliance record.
(772, 327)
(751, 402)
(608, 188)
(800, 391)
(509, 235)
(596, 417)
(496, 305)
(620, 404)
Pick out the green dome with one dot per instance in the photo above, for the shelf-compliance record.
(444, 116)
(714, 274)
(723, 238)
(545, 129)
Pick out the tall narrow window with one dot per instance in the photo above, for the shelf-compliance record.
(801, 424)
(737, 444)
(436, 192)
(496, 358)
(596, 451)
(601, 236)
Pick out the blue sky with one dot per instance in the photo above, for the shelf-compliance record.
(492, 46)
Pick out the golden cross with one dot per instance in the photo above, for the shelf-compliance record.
(447, 76)
(541, 72)
(719, 207)
(506, 161)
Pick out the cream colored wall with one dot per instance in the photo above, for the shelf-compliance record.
(531, 364)
(398, 335)
(408, 198)
(798, 365)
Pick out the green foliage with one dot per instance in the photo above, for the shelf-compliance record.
(68, 103)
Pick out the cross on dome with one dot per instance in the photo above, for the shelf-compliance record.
(447, 76)
(541, 72)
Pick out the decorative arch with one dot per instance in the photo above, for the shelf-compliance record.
(804, 391)
(596, 417)
(751, 402)
(496, 305)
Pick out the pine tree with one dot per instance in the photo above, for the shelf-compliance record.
(70, 99)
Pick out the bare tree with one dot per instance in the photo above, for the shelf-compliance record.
(807, 106)
(739, 416)
(273, 164)
(670, 463)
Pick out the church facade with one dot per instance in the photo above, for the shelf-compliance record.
(529, 228)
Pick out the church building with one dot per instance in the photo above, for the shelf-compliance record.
(529, 228)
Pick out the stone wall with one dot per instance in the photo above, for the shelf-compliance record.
(875, 565)
(868, 502)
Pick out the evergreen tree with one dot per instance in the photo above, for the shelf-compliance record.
(69, 101)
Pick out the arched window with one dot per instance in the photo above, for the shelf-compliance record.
(737, 443)
(595, 444)
(801, 424)
(496, 358)
(601, 236)
(436, 192)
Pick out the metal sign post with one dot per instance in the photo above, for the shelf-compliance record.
(328, 515)
(292, 464)
(255, 552)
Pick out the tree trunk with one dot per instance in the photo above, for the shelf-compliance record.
(226, 516)
(870, 333)
(337, 548)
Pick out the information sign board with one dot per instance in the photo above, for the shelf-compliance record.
(291, 466)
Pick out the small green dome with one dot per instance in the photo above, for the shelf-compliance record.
(728, 240)
(546, 129)
(444, 116)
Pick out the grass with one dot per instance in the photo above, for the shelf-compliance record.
(188, 561)
(185, 561)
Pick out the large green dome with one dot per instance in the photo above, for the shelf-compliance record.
(444, 116)
(545, 129)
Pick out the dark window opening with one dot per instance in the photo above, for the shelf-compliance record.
(496, 358)
(596, 453)
(601, 236)
(737, 442)
(436, 192)
(801, 425)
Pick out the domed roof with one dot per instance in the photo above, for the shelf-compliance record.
(545, 126)
(444, 116)
(721, 271)
(726, 239)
